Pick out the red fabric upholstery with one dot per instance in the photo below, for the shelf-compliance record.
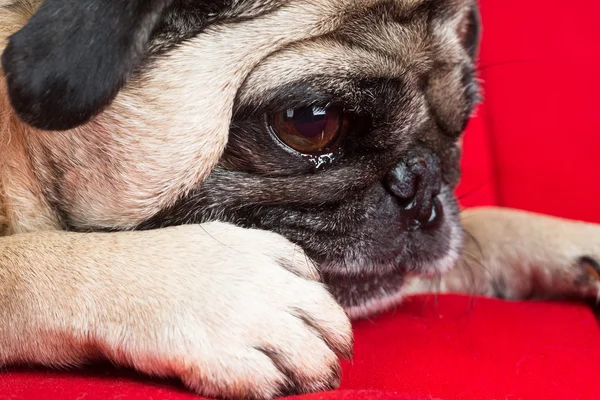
(535, 140)
(533, 145)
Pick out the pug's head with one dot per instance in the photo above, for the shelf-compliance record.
(344, 121)
(348, 145)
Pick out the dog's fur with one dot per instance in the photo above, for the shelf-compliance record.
(232, 305)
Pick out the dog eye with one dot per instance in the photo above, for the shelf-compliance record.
(309, 129)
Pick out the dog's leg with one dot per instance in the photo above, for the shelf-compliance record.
(519, 255)
(231, 312)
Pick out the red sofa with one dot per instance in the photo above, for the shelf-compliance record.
(533, 145)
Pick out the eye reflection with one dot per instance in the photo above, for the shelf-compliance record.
(309, 130)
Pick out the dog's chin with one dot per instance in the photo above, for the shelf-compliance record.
(365, 287)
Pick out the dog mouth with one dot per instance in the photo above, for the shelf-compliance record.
(368, 285)
(365, 294)
(391, 242)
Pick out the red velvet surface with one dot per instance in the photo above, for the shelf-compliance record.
(533, 145)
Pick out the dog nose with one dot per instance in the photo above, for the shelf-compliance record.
(416, 183)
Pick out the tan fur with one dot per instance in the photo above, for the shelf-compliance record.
(3, 212)
(23, 207)
(18, 191)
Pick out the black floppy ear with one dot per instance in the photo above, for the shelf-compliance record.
(73, 56)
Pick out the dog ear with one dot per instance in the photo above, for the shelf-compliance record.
(72, 57)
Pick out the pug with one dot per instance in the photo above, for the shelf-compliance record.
(254, 177)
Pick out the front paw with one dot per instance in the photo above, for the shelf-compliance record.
(237, 313)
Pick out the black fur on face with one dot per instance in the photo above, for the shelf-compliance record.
(338, 207)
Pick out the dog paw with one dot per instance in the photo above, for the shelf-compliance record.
(232, 312)
(588, 278)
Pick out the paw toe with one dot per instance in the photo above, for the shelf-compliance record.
(591, 267)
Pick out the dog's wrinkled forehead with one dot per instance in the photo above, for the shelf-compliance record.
(288, 41)
(185, 19)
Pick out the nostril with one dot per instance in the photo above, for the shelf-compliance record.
(432, 218)
(418, 165)
(416, 183)
(401, 182)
